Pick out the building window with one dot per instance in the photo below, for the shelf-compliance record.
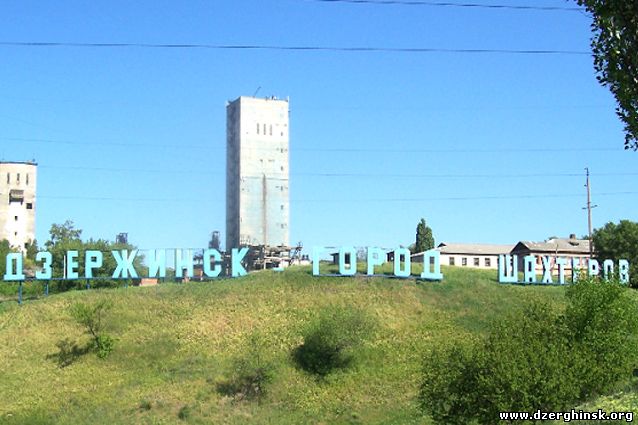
(270, 129)
(451, 261)
(29, 206)
(464, 261)
(488, 262)
(8, 178)
(282, 207)
(16, 218)
(18, 179)
(257, 128)
(477, 262)
(264, 129)
(27, 179)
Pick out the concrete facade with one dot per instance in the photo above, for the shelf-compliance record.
(17, 202)
(257, 173)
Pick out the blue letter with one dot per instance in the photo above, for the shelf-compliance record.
(508, 268)
(316, 258)
(575, 269)
(623, 271)
(236, 256)
(529, 269)
(405, 271)
(429, 274)
(93, 261)
(608, 269)
(342, 261)
(594, 267)
(72, 265)
(157, 263)
(46, 272)
(14, 257)
(561, 263)
(124, 261)
(547, 270)
(375, 258)
(183, 260)
(212, 254)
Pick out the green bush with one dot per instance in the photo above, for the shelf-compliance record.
(92, 318)
(538, 358)
(251, 373)
(329, 341)
(603, 324)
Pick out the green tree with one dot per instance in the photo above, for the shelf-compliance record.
(614, 45)
(616, 241)
(63, 233)
(424, 238)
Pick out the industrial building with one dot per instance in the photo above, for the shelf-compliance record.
(257, 173)
(17, 205)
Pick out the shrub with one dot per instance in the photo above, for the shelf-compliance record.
(602, 321)
(329, 340)
(184, 413)
(522, 365)
(251, 373)
(446, 373)
(91, 317)
(538, 358)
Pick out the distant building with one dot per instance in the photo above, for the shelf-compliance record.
(257, 200)
(560, 247)
(17, 202)
(483, 256)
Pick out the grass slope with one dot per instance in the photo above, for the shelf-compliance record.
(175, 342)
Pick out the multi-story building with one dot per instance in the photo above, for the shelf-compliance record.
(257, 193)
(17, 202)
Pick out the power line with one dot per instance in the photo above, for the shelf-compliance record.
(438, 199)
(349, 49)
(339, 174)
(451, 4)
(320, 149)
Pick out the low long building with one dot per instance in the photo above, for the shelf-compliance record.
(483, 256)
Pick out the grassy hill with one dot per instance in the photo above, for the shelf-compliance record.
(176, 342)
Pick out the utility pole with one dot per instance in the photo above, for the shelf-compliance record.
(589, 208)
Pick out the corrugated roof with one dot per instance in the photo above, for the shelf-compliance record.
(558, 245)
(474, 248)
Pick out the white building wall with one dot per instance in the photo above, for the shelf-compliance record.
(18, 182)
(484, 261)
(257, 173)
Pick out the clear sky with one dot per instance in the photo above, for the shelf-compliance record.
(487, 147)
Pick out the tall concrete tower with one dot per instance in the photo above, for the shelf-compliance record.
(17, 202)
(257, 200)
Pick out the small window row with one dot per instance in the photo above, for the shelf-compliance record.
(17, 178)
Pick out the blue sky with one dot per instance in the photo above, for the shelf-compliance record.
(487, 147)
